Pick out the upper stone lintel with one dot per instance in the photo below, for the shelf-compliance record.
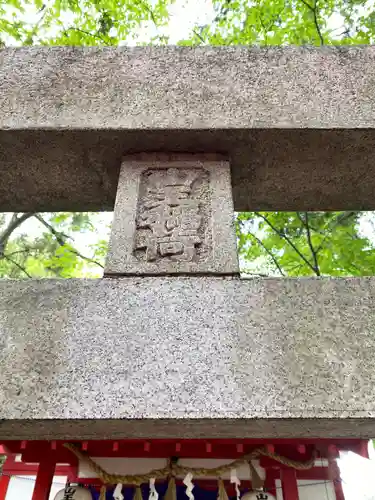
(298, 123)
(173, 88)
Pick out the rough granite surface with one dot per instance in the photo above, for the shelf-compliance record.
(276, 356)
(187, 88)
(151, 197)
(297, 123)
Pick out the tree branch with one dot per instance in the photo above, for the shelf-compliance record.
(14, 262)
(25, 250)
(199, 36)
(309, 241)
(265, 29)
(268, 28)
(307, 5)
(61, 241)
(314, 10)
(14, 223)
(331, 226)
(317, 24)
(274, 260)
(30, 39)
(262, 275)
(150, 11)
(285, 237)
(93, 35)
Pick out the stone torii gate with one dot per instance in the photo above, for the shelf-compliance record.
(172, 343)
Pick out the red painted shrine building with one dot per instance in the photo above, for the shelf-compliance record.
(51, 461)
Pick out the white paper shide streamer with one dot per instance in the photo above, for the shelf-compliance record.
(234, 479)
(154, 495)
(117, 494)
(189, 486)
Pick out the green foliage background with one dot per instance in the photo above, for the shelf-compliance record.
(270, 243)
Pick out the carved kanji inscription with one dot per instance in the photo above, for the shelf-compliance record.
(172, 215)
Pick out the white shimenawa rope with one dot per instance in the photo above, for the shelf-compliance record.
(189, 486)
(154, 495)
(117, 494)
(234, 479)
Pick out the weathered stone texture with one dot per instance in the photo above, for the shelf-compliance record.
(275, 111)
(193, 428)
(173, 215)
(208, 349)
(187, 88)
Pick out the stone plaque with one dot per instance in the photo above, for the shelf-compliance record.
(173, 215)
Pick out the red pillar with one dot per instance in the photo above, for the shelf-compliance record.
(270, 481)
(339, 492)
(289, 484)
(363, 448)
(4, 483)
(336, 478)
(44, 479)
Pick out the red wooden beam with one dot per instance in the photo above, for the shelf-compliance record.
(270, 447)
(34, 451)
(190, 448)
(289, 484)
(44, 478)
(147, 447)
(301, 448)
(13, 468)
